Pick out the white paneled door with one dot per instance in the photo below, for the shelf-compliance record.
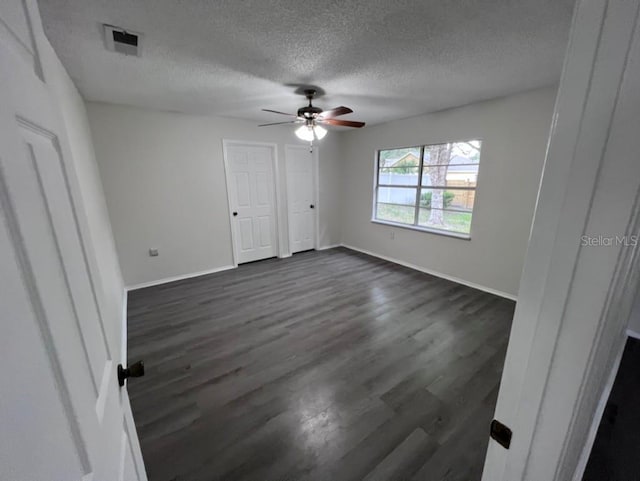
(250, 181)
(62, 413)
(301, 196)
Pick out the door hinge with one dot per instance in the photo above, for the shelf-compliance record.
(501, 434)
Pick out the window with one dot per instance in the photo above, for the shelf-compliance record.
(430, 187)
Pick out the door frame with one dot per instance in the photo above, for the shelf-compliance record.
(316, 194)
(226, 143)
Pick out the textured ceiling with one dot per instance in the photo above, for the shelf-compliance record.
(386, 59)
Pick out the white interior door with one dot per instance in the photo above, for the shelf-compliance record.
(301, 195)
(61, 409)
(250, 182)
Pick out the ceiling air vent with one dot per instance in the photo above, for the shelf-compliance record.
(123, 41)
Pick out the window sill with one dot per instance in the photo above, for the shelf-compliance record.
(455, 235)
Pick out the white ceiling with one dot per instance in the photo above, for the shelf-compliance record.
(386, 59)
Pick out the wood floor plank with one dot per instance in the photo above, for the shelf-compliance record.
(405, 459)
(326, 365)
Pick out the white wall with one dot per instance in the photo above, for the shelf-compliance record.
(89, 200)
(163, 176)
(330, 189)
(514, 131)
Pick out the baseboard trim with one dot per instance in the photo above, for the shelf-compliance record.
(332, 246)
(434, 273)
(167, 280)
(632, 333)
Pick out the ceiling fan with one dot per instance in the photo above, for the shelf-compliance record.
(312, 118)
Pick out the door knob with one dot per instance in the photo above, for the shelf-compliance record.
(235, 214)
(312, 206)
(134, 370)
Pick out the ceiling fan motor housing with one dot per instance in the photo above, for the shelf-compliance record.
(309, 112)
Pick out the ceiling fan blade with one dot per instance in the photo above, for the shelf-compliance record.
(277, 112)
(279, 123)
(329, 114)
(343, 123)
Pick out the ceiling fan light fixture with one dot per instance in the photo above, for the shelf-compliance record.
(305, 133)
(320, 132)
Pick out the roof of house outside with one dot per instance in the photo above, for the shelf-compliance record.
(457, 163)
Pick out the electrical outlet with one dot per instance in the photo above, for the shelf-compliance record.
(153, 252)
(392, 235)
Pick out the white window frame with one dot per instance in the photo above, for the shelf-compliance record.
(419, 187)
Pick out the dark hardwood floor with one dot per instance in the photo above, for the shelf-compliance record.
(328, 365)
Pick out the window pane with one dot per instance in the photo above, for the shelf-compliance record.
(451, 199)
(454, 175)
(445, 220)
(397, 195)
(467, 152)
(403, 214)
(398, 175)
(407, 157)
(447, 183)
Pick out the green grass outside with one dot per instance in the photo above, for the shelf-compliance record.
(453, 221)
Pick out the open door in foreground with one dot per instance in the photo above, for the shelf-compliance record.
(62, 413)
(581, 270)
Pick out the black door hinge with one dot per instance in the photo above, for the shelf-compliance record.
(501, 434)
